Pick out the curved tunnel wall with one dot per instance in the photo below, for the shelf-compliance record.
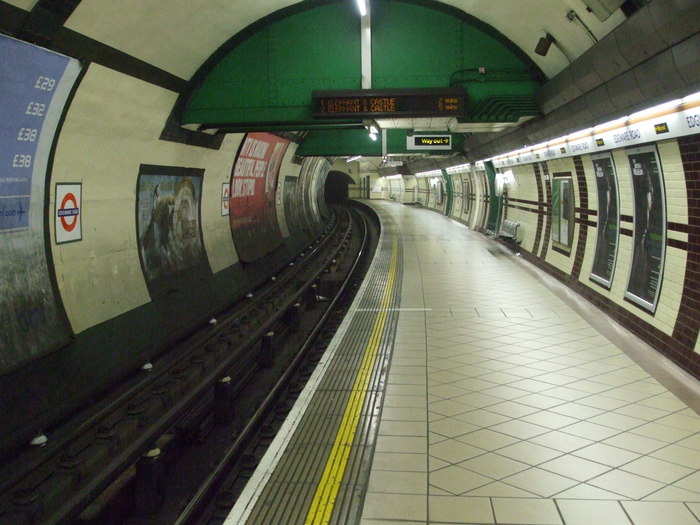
(118, 316)
(268, 76)
(672, 323)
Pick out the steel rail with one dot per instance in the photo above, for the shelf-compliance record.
(205, 493)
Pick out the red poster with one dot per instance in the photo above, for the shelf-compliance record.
(253, 216)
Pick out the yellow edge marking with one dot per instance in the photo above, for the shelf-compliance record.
(327, 490)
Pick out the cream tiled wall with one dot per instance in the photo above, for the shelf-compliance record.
(410, 189)
(676, 201)
(677, 211)
(591, 237)
(113, 126)
(524, 187)
(556, 259)
(287, 169)
(464, 179)
(477, 180)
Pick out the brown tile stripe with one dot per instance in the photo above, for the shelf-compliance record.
(592, 224)
(585, 211)
(582, 226)
(625, 231)
(559, 250)
(523, 208)
(485, 212)
(688, 319)
(626, 218)
(678, 227)
(525, 201)
(548, 226)
(681, 245)
(667, 345)
(540, 218)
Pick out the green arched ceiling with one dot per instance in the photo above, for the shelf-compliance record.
(266, 76)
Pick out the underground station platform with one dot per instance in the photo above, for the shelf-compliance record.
(466, 387)
(350, 262)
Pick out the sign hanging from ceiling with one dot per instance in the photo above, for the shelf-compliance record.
(428, 142)
(382, 103)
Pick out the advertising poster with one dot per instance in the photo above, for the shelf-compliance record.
(168, 222)
(34, 87)
(291, 209)
(608, 220)
(649, 227)
(321, 195)
(252, 211)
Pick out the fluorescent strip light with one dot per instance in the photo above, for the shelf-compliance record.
(658, 108)
(392, 177)
(431, 173)
(691, 98)
(373, 136)
(362, 6)
(639, 115)
(459, 168)
(351, 159)
(373, 130)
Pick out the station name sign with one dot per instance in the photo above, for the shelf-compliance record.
(429, 142)
(666, 123)
(378, 103)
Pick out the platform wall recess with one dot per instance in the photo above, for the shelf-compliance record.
(671, 325)
(156, 257)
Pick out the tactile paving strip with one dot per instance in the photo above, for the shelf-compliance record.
(290, 491)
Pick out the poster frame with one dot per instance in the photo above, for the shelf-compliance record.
(607, 284)
(629, 296)
(172, 171)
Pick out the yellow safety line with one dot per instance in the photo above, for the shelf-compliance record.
(327, 490)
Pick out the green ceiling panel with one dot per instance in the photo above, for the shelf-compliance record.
(267, 73)
(413, 46)
(269, 76)
(339, 142)
(330, 143)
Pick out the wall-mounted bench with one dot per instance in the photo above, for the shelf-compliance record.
(509, 233)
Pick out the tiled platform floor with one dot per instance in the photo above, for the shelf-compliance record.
(505, 406)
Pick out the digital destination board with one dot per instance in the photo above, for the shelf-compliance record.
(377, 103)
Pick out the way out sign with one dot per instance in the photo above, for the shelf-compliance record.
(68, 213)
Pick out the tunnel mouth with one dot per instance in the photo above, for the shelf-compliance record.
(336, 187)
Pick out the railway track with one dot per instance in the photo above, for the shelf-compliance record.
(115, 450)
(217, 495)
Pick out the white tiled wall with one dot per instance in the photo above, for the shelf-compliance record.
(676, 201)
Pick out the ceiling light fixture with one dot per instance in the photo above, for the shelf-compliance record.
(544, 44)
(430, 173)
(351, 159)
(362, 6)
